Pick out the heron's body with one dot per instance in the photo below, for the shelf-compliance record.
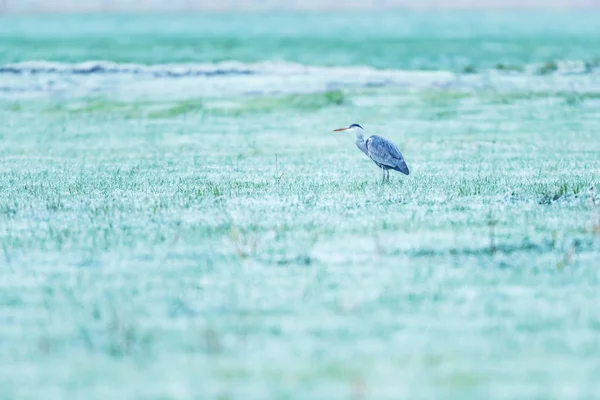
(382, 151)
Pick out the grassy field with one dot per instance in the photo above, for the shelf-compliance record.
(189, 249)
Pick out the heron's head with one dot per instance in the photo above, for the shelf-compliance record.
(354, 128)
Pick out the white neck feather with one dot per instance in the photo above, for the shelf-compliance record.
(360, 141)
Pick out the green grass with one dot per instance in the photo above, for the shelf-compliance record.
(252, 250)
(101, 107)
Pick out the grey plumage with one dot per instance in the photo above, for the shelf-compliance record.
(386, 154)
(382, 151)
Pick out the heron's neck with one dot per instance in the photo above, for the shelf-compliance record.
(360, 142)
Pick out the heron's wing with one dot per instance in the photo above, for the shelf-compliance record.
(383, 151)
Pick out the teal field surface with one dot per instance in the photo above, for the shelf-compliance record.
(179, 221)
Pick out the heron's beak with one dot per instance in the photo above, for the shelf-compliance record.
(340, 129)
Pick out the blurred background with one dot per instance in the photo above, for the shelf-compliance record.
(28, 6)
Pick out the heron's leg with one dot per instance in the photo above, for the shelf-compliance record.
(382, 175)
(387, 175)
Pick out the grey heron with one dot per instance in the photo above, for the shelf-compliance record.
(384, 153)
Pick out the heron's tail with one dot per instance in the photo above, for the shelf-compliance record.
(402, 167)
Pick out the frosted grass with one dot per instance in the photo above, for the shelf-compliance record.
(207, 236)
(254, 254)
